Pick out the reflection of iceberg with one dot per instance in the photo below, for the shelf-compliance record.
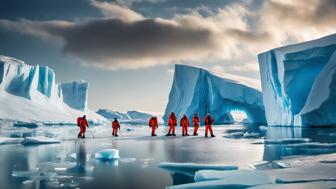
(81, 159)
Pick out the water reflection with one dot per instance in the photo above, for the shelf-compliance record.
(278, 151)
(81, 159)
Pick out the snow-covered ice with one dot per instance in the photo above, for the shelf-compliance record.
(248, 176)
(107, 154)
(298, 83)
(39, 140)
(201, 91)
(226, 179)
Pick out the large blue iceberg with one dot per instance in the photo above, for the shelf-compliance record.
(196, 90)
(30, 93)
(299, 83)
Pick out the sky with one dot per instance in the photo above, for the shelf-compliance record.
(127, 49)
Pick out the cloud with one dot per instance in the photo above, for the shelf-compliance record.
(125, 39)
(114, 11)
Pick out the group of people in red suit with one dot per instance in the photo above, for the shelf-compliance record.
(184, 123)
(153, 123)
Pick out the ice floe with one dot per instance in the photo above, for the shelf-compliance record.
(286, 140)
(191, 168)
(107, 154)
(226, 179)
(8, 140)
(39, 140)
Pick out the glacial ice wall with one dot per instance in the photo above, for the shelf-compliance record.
(30, 93)
(298, 83)
(196, 90)
(75, 94)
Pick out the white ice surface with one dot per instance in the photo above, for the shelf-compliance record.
(226, 179)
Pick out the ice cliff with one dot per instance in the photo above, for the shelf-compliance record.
(196, 90)
(30, 93)
(299, 83)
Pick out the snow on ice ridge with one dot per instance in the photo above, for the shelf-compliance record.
(196, 90)
(298, 83)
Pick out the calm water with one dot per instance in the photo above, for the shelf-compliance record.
(71, 164)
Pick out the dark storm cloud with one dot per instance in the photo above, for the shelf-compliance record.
(124, 38)
(117, 43)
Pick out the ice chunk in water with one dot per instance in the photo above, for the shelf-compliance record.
(314, 145)
(8, 140)
(191, 168)
(39, 140)
(286, 140)
(107, 154)
(250, 135)
(227, 179)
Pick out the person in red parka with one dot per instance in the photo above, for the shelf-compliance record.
(208, 120)
(184, 124)
(82, 123)
(115, 127)
(172, 122)
(196, 121)
(153, 123)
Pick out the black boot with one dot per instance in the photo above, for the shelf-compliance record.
(154, 134)
(168, 134)
(116, 135)
(79, 136)
(206, 136)
(186, 134)
(212, 135)
(83, 136)
(195, 134)
(174, 134)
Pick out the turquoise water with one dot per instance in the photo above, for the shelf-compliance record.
(71, 164)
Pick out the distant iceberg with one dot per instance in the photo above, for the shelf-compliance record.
(196, 90)
(30, 94)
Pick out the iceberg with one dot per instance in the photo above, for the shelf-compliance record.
(110, 115)
(197, 90)
(298, 83)
(30, 94)
(131, 117)
(39, 140)
(107, 154)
